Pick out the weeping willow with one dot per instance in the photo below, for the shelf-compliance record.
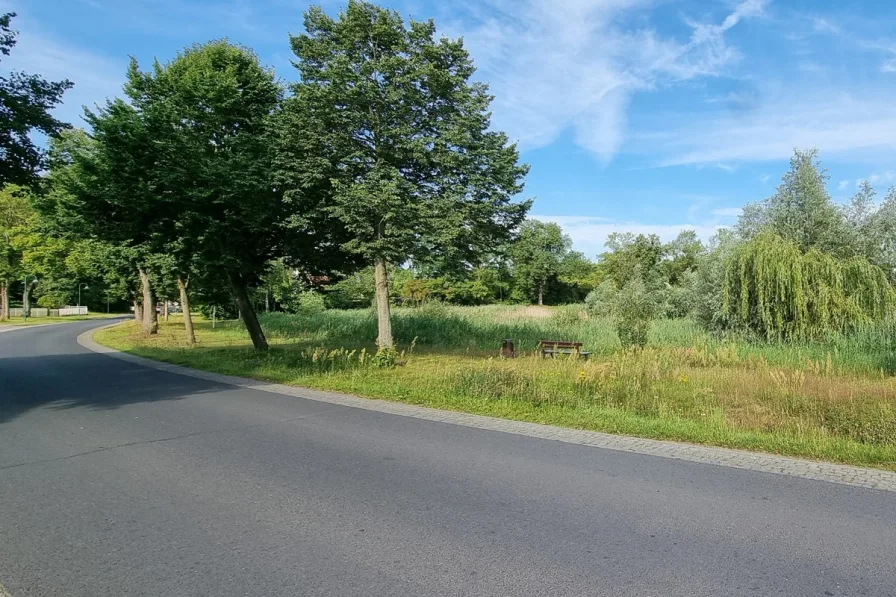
(781, 293)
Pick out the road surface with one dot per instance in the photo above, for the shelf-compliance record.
(119, 480)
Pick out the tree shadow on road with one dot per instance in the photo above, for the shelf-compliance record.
(96, 381)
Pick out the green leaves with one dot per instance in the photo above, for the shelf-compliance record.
(25, 104)
(538, 254)
(774, 289)
(410, 166)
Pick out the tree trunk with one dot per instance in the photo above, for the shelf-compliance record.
(541, 294)
(4, 301)
(150, 318)
(185, 307)
(165, 310)
(138, 311)
(247, 313)
(383, 316)
(267, 300)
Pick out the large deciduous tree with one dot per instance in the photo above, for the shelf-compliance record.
(538, 255)
(387, 118)
(208, 115)
(25, 104)
(801, 210)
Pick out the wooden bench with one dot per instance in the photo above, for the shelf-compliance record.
(552, 347)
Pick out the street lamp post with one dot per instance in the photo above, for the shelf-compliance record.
(85, 287)
(25, 296)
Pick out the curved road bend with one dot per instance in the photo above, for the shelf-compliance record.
(118, 480)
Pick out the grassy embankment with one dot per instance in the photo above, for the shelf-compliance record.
(834, 401)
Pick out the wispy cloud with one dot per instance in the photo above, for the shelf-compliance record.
(884, 177)
(95, 77)
(836, 124)
(824, 25)
(575, 65)
(843, 185)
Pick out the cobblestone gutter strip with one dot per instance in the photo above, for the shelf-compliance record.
(754, 461)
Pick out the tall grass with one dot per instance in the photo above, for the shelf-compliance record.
(482, 329)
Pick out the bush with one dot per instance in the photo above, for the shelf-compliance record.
(601, 300)
(634, 309)
(385, 358)
(310, 303)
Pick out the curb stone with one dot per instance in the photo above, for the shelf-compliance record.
(742, 459)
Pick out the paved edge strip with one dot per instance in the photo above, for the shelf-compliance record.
(754, 461)
(13, 327)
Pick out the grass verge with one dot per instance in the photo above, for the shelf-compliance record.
(20, 322)
(682, 388)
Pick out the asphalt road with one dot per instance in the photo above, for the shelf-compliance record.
(119, 480)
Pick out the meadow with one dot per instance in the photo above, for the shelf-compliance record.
(832, 400)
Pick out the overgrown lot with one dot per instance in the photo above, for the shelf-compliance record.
(834, 400)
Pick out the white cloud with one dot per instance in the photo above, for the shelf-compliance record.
(843, 185)
(765, 178)
(822, 25)
(95, 77)
(835, 123)
(573, 65)
(886, 177)
(589, 234)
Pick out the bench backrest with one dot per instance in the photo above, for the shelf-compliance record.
(558, 344)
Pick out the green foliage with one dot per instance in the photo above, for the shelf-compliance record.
(352, 292)
(538, 255)
(705, 296)
(310, 303)
(801, 210)
(634, 311)
(601, 301)
(25, 105)
(774, 289)
(680, 257)
(388, 133)
(386, 357)
(631, 256)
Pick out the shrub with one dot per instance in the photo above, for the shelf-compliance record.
(634, 309)
(600, 301)
(385, 358)
(310, 303)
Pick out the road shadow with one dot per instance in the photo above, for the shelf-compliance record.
(86, 380)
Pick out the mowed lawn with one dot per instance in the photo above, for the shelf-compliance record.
(834, 401)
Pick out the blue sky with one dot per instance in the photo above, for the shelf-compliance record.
(641, 115)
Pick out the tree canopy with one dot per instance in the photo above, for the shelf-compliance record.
(388, 116)
(25, 104)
